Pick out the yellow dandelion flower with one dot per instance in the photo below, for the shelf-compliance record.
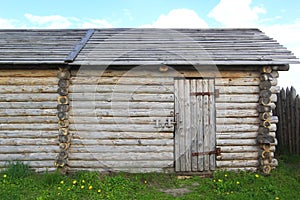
(82, 187)
(256, 175)
(62, 182)
(99, 191)
(220, 180)
(83, 181)
(58, 188)
(214, 180)
(227, 193)
(277, 198)
(4, 176)
(90, 187)
(237, 182)
(74, 182)
(225, 175)
(68, 189)
(145, 182)
(58, 193)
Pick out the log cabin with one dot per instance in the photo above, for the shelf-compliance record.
(189, 101)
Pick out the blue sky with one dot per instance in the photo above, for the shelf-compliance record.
(280, 19)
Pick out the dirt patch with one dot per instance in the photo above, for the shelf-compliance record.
(176, 191)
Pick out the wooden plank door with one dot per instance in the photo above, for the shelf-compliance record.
(195, 131)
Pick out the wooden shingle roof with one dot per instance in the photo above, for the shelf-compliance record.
(143, 46)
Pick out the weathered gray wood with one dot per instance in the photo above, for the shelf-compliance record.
(112, 156)
(121, 149)
(133, 89)
(28, 105)
(200, 131)
(124, 141)
(238, 163)
(240, 135)
(9, 89)
(127, 97)
(33, 97)
(187, 125)
(212, 120)
(28, 81)
(194, 108)
(120, 135)
(121, 105)
(79, 46)
(121, 113)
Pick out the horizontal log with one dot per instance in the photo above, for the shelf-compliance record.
(34, 97)
(28, 105)
(237, 120)
(236, 142)
(111, 156)
(236, 113)
(241, 127)
(239, 90)
(121, 164)
(27, 134)
(101, 80)
(132, 89)
(27, 112)
(118, 169)
(233, 149)
(121, 113)
(246, 98)
(121, 135)
(222, 82)
(28, 156)
(238, 98)
(119, 127)
(121, 97)
(27, 141)
(39, 126)
(30, 120)
(30, 149)
(140, 142)
(119, 149)
(121, 105)
(116, 120)
(27, 73)
(233, 105)
(239, 135)
(173, 72)
(237, 163)
(28, 81)
(40, 165)
(8, 89)
(240, 156)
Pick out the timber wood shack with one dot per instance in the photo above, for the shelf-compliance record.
(140, 100)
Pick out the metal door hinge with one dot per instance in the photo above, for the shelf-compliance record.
(216, 93)
(217, 151)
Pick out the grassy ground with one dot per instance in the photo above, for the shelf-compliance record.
(18, 182)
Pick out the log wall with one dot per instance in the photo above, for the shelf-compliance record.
(118, 122)
(28, 124)
(121, 123)
(238, 118)
(121, 120)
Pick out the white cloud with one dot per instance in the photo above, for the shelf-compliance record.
(178, 18)
(51, 21)
(58, 22)
(95, 23)
(236, 13)
(7, 23)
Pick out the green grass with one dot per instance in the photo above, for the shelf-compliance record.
(19, 182)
